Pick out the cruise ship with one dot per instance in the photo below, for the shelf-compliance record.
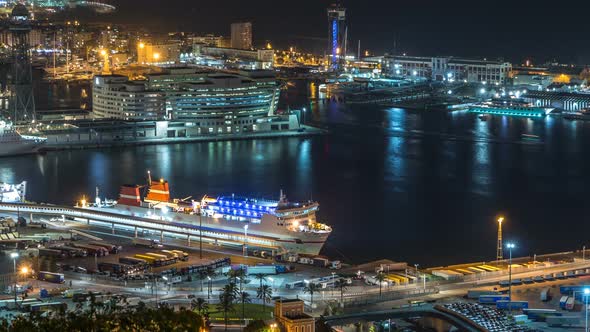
(509, 107)
(277, 225)
(13, 143)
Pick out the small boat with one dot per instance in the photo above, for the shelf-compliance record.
(483, 117)
(528, 137)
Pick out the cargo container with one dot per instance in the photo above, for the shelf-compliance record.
(563, 301)
(151, 260)
(540, 315)
(570, 289)
(163, 258)
(514, 305)
(69, 293)
(492, 299)
(550, 277)
(50, 306)
(45, 252)
(57, 278)
(538, 279)
(320, 262)
(147, 243)
(261, 269)
(170, 254)
(181, 255)
(571, 302)
(92, 250)
(475, 294)
(558, 321)
(113, 268)
(113, 249)
(133, 261)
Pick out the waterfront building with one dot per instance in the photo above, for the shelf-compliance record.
(165, 53)
(264, 57)
(210, 102)
(566, 101)
(291, 315)
(212, 40)
(241, 35)
(222, 103)
(449, 68)
(115, 97)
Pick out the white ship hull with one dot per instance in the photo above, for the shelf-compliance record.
(20, 147)
(267, 233)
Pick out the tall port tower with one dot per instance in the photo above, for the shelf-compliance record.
(22, 101)
(499, 245)
(337, 36)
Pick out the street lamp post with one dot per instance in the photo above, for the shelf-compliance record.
(200, 235)
(246, 240)
(510, 246)
(586, 293)
(417, 275)
(14, 256)
(208, 287)
(583, 253)
(333, 283)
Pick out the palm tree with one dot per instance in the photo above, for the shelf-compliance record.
(236, 275)
(342, 285)
(202, 276)
(380, 277)
(200, 305)
(226, 301)
(245, 298)
(210, 274)
(260, 276)
(265, 294)
(311, 288)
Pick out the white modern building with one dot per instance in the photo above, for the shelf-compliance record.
(115, 97)
(208, 102)
(448, 69)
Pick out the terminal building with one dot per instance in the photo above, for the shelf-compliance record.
(448, 68)
(115, 97)
(208, 102)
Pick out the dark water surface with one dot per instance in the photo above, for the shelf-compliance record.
(422, 187)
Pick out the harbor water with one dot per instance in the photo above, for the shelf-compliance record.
(418, 186)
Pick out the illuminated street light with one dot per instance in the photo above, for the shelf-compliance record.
(14, 256)
(586, 294)
(156, 56)
(510, 246)
(141, 45)
(246, 240)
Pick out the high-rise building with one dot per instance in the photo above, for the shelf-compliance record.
(241, 35)
(337, 36)
(167, 53)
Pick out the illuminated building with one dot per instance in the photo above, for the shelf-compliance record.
(448, 68)
(209, 102)
(337, 36)
(219, 102)
(241, 35)
(148, 53)
(291, 314)
(212, 40)
(264, 57)
(115, 97)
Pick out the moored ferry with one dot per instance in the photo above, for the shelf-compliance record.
(279, 225)
(509, 107)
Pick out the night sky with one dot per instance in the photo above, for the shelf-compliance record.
(513, 30)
